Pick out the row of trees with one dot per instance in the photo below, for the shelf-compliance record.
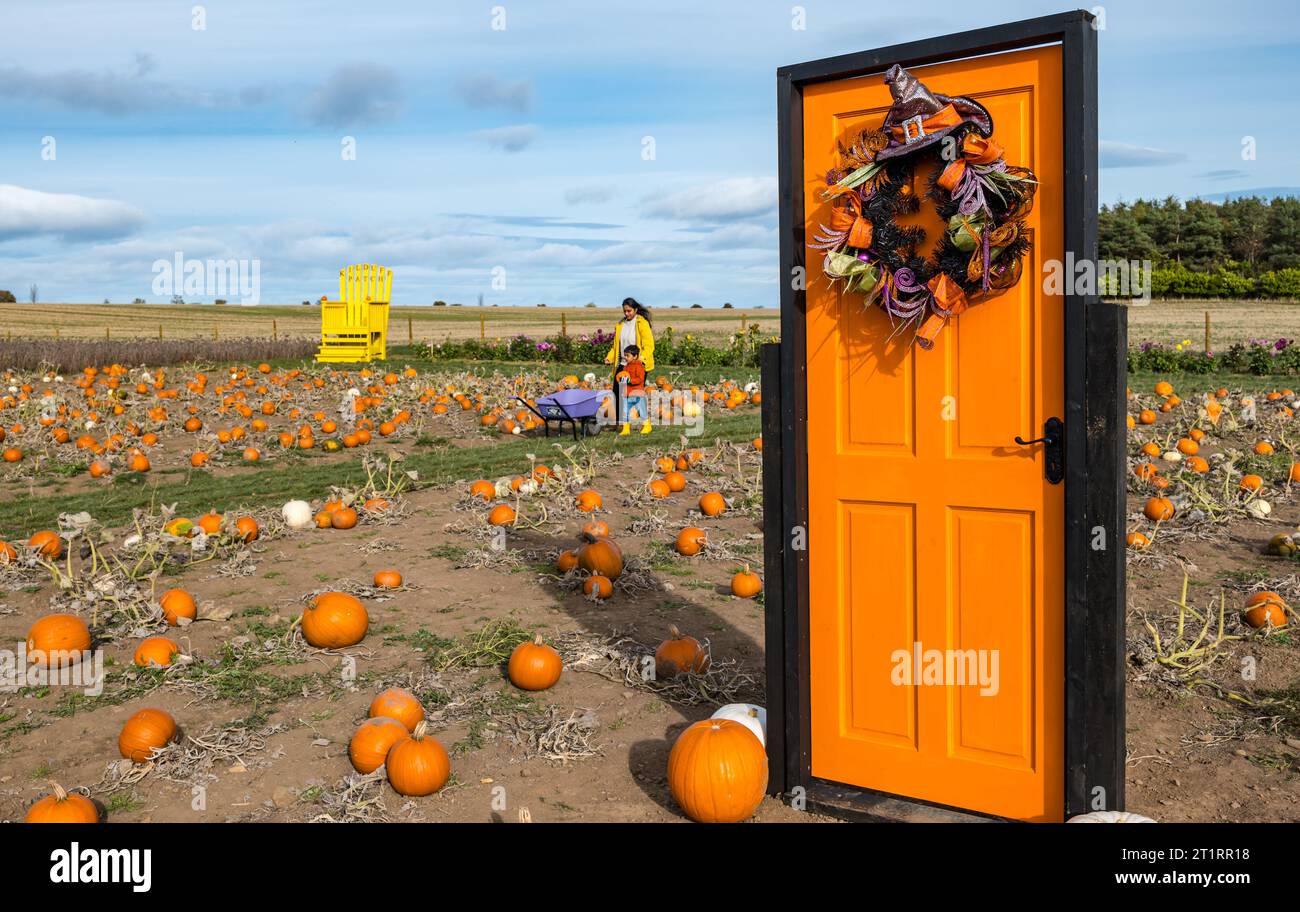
(1249, 236)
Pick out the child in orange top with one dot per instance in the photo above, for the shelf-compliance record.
(633, 375)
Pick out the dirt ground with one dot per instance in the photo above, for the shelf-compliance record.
(286, 762)
(1221, 743)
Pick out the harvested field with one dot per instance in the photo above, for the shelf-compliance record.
(426, 324)
(1230, 322)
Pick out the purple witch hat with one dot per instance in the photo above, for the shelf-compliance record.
(918, 117)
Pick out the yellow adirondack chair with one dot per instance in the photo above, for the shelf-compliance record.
(356, 327)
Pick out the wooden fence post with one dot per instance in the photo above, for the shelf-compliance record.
(56, 332)
(275, 331)
(410, 332)
(106, 336)
(564, 324)
(159, 330)
(482, 332)
(1207, 333)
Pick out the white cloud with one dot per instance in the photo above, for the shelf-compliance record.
(590, 193)
(485, 90)
(27, 213)
(508, 139)
(1123, 155)
(356, 95)
(732, 198)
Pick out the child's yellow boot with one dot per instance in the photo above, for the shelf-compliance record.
(627, 429)
(645, 428)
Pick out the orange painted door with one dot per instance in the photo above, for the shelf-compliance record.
(931, 532)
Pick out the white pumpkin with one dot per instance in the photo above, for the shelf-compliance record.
(297, 514)
(1173, 456)
(1110, 817)
(1259, 508)
(749, 715)
(589, 377)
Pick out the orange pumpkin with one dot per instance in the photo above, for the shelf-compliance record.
(335, 620)
(691, 541)
(57, 640)
(676, 481)
(1265, 609)
(372, 741)
(1137, 541)
(387, 579)
(566, 561)
(502, 515)
(46, 544)
(483, 489)
(63, 807)
(211, 522)
(1159, 509)
(343, 518)
(147, 730)
(398, 704)
(589, 500)
(659, 488)
(248, 529)
(418, 765)
(745, 584)
(155, 650)
(713, 504)
(600, 556)
(7, 552)
(177, 604)
(680, 653)
(717, 771)
(534, 665)
(598, 587)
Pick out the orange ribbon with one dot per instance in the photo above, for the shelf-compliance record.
(948, 295)
(935, 123)
(975, 150)
(950, 300)
(850, 219)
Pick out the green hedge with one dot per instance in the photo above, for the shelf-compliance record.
(671, 348)
(1179, 282)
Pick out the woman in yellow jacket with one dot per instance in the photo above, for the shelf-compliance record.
(634, 329)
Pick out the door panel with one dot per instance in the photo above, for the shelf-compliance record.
(927, 522)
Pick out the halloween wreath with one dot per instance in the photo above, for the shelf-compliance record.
(983, 200)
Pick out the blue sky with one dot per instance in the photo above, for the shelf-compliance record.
(521, 148)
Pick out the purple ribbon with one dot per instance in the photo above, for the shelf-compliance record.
(905, 282)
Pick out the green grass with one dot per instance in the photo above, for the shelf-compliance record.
(1189, 384)
(270, 484)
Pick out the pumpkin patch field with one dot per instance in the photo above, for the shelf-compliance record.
(383, 595)
(1213, 702)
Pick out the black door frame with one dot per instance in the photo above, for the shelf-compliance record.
(1095, 366)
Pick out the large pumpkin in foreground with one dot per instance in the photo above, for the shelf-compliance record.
(418, 765)
(63, 807)
(335, 620)
(717, 772)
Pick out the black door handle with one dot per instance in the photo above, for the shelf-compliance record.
(1053, 441)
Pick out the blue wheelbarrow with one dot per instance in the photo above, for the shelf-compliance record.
(579, 408)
